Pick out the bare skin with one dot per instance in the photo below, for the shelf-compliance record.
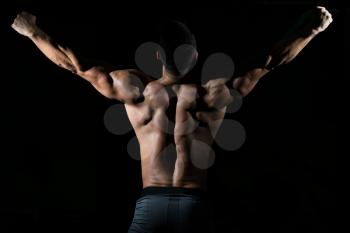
(173, 109)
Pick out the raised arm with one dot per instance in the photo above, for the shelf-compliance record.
(115, 85)
(309, 25)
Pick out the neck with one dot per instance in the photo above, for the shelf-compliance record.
(168, 78)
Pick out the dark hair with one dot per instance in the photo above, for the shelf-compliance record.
(178, 47)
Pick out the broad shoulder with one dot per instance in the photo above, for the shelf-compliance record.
(219, 82)
(133, 74)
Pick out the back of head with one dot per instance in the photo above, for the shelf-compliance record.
(178, 52)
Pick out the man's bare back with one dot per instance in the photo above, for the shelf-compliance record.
(180, 115)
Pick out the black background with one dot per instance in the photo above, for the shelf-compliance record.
(61, 170)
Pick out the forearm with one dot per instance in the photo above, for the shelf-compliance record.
(309, 25)
(57, 53)
(288, 48)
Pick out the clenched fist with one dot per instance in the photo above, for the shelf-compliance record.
(25, 24)
(316, 20)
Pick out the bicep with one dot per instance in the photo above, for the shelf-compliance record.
(121, 85)
(100, 80)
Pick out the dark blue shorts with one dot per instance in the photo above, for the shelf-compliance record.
(171, 210)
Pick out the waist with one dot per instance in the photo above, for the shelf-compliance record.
(174, 191)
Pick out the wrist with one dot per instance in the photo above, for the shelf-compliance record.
(307, 32)
(314, 32)
(34, 32)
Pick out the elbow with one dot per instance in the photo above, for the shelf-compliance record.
(242, 85)
(244, 91)
(277, 60)
(68, 66)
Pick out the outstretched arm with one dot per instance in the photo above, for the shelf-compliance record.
(309, 25)
(115, 85)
